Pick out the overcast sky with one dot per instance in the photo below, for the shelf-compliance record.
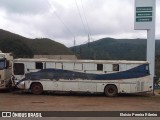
(61, 20)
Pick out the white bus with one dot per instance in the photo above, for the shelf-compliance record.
(5, 70)
(95, 76)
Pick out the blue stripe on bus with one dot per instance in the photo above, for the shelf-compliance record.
(136, 72)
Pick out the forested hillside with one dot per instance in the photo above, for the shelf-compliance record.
(114, 49)
(25, 47)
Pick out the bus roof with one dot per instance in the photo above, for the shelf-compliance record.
(81, 61)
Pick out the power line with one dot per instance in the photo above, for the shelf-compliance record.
(85, 17)
(63, 23)
(89, 32)
(80, 16)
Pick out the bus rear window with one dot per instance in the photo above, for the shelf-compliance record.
(18, 69)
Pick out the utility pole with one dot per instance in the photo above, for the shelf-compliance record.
(89, 52)
(74, 45)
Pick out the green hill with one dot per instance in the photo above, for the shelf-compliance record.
(25, 47)
(115, 49)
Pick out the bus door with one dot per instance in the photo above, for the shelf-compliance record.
(18, 71)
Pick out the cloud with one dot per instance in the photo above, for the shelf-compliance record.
(25, 6)
(60, 20)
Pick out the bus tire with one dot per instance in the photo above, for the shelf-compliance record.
(36, 88)
(110, 90)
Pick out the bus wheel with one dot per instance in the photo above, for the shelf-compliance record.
(110, 90)
(36, 88)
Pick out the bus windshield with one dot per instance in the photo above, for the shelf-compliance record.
(2, 63)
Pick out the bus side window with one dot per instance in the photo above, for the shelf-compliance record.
(115, 67)
(39, 65)
(7, 64)
(18, 69)
(99, 67)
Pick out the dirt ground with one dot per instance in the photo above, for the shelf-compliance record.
(22, 101)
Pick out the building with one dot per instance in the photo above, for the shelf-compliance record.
(59, 57)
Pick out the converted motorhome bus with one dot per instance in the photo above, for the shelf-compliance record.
(5, 70)
(95, 76)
